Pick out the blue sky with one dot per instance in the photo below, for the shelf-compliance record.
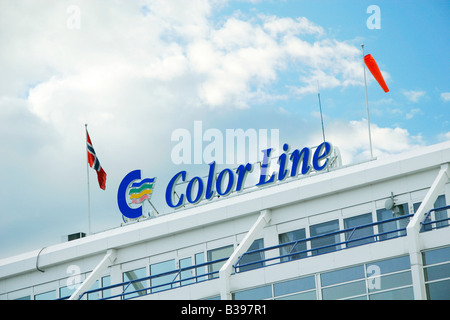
(136, 71)
(408, 46)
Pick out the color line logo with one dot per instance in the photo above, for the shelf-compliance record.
(132, 192)
(141, 191)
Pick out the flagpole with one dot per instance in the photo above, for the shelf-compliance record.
(367, 103)
(88, 192)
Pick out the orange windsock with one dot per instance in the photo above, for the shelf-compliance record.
(373, 67)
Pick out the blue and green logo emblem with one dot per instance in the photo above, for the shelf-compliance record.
(133, 191)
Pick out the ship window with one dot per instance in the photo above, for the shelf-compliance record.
(252, 258)
(325, 243)
(392, 281)
(49, 295)
(66, 292)
(437, 273)
(186, 274)
(135, 288)
(387, 275)
(158, 283)
(292, 248)
(358, 233)
(308, 295)
(439, 290)
(94, 295)
(217, 254)
(441, 214)
(344, 290)
(397, 227)
(436, 215)
(399, 294)
(296, 285)
(342, 275)
(436, 255)
(392, 265)
(105, 281)
(199, 259)
(259, 293)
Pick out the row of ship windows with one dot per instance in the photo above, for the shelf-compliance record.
(224, 252)
(325, 238)
(385, 279)
(388, 279)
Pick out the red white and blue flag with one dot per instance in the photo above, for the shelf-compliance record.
(94, 163)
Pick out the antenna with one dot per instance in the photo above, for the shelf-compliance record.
(320, 108)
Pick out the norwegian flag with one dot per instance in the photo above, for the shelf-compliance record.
(94, 163)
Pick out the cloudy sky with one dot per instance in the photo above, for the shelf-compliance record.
(137, 71)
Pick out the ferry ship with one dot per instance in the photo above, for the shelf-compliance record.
(375, 230)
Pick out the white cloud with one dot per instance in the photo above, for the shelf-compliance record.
(445, 96)
(327, 63)
(288, 26)
(412, 113)
(140, 70)
(352, 139)
(134, 72)
(444, 136)
(169, 41)
(413, 95)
